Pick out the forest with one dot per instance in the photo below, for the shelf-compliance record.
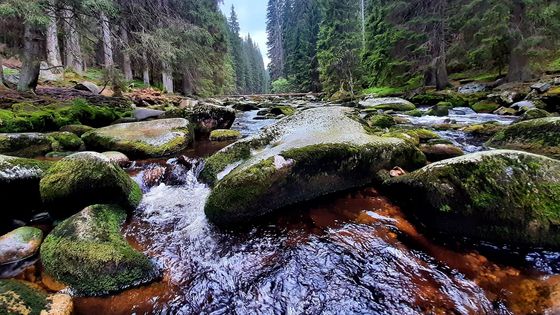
(182, 46)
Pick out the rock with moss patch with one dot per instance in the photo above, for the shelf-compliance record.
(84, 179)
(313, 153)
(224, 135)
(487, 129)
(65, 141)
(436, 152)
(205, 117)
(20, 297)
(78, 130)
(20, 244)
(387, 103)
(540, 136)
(501, 196)
(485, 107)
(440, 110)
(414, 113)
(19, 184)
(142, 139)
(282, 110)
(88, 253)
(534, 113)
(380, 121)
(431, 98)
(118, 158)
(25, 144)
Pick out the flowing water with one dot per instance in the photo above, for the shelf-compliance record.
(352, 253)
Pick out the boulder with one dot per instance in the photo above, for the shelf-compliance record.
(387, 103)
(472, 88)
(25, 144)
(505, 111)
(78, 130)
(436, 152)
(84, 179)
(440, 110)
(141, 114)
(20, 244)
(20, 297)
(88, 253)
(205, 117)
(282, 110)
(541, 87)
(485, 107)
(65, 141)
(526, 105)
(380, 121)
(534, 113)
(310, 154)
(540, 136)
(118, 158)
(19, 184)
(224, 135)
(246, 106)
(502, 196)
(142, 139)
(461, 111)
(88, 87)
(49, 74)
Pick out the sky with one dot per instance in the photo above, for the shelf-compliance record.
(252, 20)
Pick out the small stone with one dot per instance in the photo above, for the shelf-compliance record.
(20, 244)
(472, 88)
(88, 87)
(541, 87)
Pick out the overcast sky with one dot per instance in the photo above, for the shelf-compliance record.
(252, 20)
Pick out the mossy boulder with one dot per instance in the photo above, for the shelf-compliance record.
(205, 117)
(431, 98)
(62, 141)
(500, 196)
(88, 253)
(118, 158)
(486, 130)
(380, 121)
(540, 136)
(19, 186)
(154, 138)
(414, 113)
(78, 130)
(25, 144)
(485, 107)
(387, 103)
(440, 110)
(310, 154)
(436, 152)
(534, 113)
(84, 179)
(282, 110)
(224, 135)
(19, 244)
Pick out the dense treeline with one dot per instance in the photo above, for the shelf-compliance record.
(186, 46)
(352, 44)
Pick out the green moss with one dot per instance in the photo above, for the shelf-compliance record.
(399, 107)
(483, 130)
(78, 130)
(383, 91)
(18, 297)
(415, 113)
(88, 253)
(380, 121)
(219, 161)
(431, 98)
(534, 113)
(84, 179)
(65, 141)
(224, 135)
(282, 110)
(485, 107)
(540, 136)
(440, 110)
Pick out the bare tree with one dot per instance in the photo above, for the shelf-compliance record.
(31, 65)
(72, 50)
(107, 42)
(54, 59)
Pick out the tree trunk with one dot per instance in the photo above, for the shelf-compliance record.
(72, 50)
(31, 65)
(146, 69)
(187, 84)
(518, 60)
(167, 78)
(107, 44)
(53, 50)
(1, 72)
(127, 63)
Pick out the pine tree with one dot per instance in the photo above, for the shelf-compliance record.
(275, 38)
(339, 45)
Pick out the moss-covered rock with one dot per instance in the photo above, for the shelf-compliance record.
(154, 138)
(502, 196)
(387, 103)
(436, 152)
(485, 107)
(78, 130)
(282, 110)
(84, 179)
(224, 135)
(380, 121)
(440, 110)
(19, 186)
(205, 117)
(431, 98)
(540, 136)
(534, 113)
(414, 113)
(117, 158)
(88, 253)
(19, 297)
(65, 141)
(487, 129)
(19, 244)
(25, 144)
(313, 153)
